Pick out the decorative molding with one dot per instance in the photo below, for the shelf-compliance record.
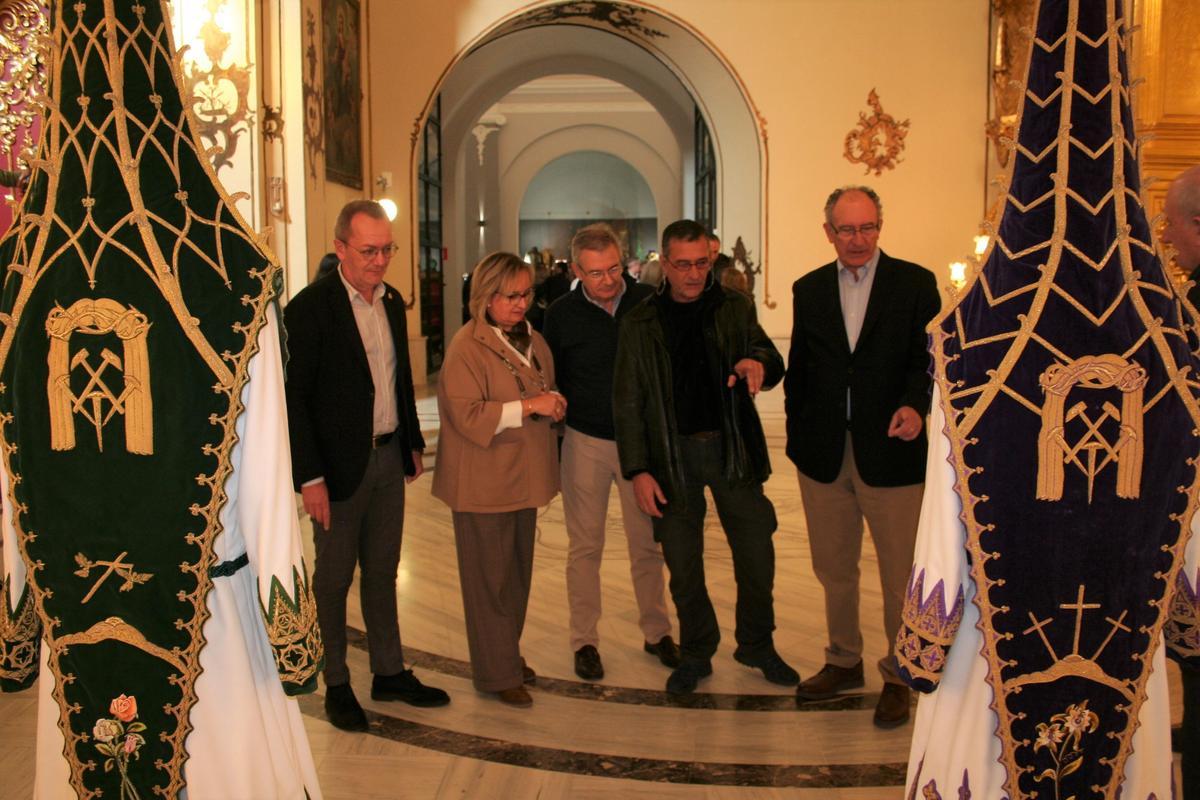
(314, 103)
(488, 125)
(24, 32)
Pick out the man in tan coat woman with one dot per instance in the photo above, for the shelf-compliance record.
(497, 462)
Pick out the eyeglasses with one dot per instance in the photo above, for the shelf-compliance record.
(700, 264)
(847, 231)
(513, 297)
(371, 253)
(597, 274)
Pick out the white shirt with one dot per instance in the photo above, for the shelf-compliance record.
(853, 293)
(376, 335)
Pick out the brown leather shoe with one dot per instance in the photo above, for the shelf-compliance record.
(528, 675)
(516, 697)
(892, 709)
(829, 681)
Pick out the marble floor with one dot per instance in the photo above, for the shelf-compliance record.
(739, 738)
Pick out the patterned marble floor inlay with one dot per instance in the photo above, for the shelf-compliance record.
(638, 697)
(806, 776)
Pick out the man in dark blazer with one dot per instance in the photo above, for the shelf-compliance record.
(857, 391)
(355, 443)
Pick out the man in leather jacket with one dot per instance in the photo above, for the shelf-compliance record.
(689, 362)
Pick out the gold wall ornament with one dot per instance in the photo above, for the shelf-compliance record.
(24, 29)
(1011, 21)
(1092, 452)
(220, 95)
(122, 568)
(98, 403)
(877, 140)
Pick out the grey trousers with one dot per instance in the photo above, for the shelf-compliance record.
(364, 530)
(495, 565)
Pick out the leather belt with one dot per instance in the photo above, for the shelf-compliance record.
(381, 440)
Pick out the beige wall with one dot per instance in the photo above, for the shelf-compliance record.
(808, 66)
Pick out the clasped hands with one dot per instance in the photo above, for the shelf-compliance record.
(546, 404)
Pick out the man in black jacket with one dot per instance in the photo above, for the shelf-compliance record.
(857, 391)
(355, 443)
(689, 363)
(581, 329)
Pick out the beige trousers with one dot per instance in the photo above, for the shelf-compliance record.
(834, 513)
(589, 468)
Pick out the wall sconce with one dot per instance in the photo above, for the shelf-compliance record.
(958, 274)
(483, 223)
(384, 182)
(981, 244)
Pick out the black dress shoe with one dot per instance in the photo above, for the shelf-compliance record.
(528, 676)
(892, 709)
(587, 663)
(829, 681)
(343, 710)
(774, 668)
(665, 649)
(685, 677)
(405, 687)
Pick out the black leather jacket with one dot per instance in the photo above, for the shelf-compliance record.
(643, 406)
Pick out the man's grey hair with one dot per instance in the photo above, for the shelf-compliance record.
(1186, 189)
(837, 194)
(598, 236)
(341, 227)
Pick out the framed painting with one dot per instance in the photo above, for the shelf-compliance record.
(340, 45)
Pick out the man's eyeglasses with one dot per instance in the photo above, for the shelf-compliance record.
(847, 231)
(371, 253)
(597, 274)
(700, 264)
(513, 297)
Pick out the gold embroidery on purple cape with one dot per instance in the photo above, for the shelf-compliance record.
(926, 629)
(1182, 631)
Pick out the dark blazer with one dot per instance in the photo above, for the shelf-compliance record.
(889, 368)
(330, 395)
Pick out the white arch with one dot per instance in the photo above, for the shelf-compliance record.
(657, 173)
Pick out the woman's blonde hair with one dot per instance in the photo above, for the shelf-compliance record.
(489, 275)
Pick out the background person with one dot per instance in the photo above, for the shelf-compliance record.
(497, 462)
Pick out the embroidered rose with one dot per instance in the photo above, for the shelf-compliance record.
(123, 708)
(106, 730)
(131, 744)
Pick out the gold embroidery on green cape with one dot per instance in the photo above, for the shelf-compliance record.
(1055, 452)
(32, 260)
(19, 634)
(98, 403)
(293, 632)
(122, 568)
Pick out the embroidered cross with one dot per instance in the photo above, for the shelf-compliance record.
(1078, 607)
(1037, 626)
(118, 565)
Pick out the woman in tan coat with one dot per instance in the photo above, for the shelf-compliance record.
(497, 462)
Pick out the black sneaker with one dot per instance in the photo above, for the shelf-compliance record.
(774, 668)
(665, 649)
(343, 710)
(685, 677)
(405, 687)
(587, 663)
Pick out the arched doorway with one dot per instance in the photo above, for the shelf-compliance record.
(660, 58)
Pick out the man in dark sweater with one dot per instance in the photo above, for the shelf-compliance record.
(581, 329)
(689, 364)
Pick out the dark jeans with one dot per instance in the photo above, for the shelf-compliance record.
(363, 530)
(749, 520)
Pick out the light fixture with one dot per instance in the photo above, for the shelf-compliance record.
(958, 274)
(981, 244)
(384, 182)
